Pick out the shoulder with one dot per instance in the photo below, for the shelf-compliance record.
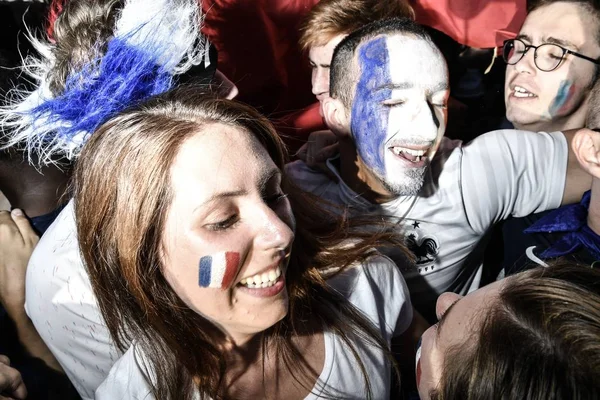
(515, 141)
(376, 287)
(127, 379)
(62, 306)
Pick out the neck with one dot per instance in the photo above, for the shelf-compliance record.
(358, 177)
(593, 218)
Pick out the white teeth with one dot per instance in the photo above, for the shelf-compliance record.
(522, 92)
(266, 279)
(418, 154)
(415, 153)
(272, 276)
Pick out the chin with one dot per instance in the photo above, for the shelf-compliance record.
(410, 182)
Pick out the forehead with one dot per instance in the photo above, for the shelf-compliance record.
(219, 157)
(404, 59)
(324, 53)
(564, 21)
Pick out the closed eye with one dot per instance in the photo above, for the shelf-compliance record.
(393, 103)
(223, 225)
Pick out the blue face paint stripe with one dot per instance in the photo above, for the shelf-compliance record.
(205, 271)
(369, 118)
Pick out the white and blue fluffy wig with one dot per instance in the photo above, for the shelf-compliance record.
(153, 40)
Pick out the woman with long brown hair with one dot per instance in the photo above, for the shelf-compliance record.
(229, 282)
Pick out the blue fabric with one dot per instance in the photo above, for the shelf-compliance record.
(572, 221)
(42, 222)
(124, 76)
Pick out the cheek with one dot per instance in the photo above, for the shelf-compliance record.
(218, 270)
(428, 366)
(566, 98)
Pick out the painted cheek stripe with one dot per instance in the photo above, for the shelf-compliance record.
(218, 270)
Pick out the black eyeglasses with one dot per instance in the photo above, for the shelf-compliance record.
(547, 57)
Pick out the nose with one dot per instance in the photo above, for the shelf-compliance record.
(444, 301)
(275, 230)
(527, 63)
(320, 81)
(425, 121)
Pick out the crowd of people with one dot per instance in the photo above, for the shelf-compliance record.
(188, 221)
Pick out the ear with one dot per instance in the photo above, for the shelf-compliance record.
(336, 116)
(586, 146)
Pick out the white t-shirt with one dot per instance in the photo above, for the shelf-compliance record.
(375, 287)
(468, 188)
(63, 308)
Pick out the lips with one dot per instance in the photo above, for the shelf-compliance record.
(413, 155)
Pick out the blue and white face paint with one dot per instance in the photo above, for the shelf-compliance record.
(398, 114)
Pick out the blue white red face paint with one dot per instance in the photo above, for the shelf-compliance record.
(398, 109)
(563, 102)
(218, 270)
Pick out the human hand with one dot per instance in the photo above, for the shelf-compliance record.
(17, 241)
(11, 383)
(320, 146)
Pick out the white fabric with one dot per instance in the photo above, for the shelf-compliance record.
(376, 288)
(60, 302)
(469, 187)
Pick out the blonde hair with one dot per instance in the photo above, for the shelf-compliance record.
(330, 18)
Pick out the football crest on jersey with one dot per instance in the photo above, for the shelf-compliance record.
(425, 249)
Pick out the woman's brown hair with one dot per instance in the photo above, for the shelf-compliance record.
(122, 194)
(540, 341)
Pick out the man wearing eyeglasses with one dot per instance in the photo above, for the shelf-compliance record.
(552, 66)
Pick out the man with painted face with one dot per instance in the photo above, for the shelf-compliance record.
(387, 106)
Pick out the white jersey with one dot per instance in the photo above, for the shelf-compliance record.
(63, 308)
(375, 287)
(468, 188)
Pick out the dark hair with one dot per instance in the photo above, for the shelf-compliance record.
(541, 340)
(343, 70)
(120, 207)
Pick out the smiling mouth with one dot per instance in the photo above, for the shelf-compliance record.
(521, 92)
(412, 155)
(264, 280)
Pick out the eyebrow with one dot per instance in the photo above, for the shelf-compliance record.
(550, 39)
(408, 85)
(560, 42)
(444, 317)
(311, 62)
(263, 181)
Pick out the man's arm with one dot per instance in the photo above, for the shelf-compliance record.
(17, 241)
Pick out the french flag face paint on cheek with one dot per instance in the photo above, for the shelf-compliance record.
(369, 121)
(218, 270)
(418, 363)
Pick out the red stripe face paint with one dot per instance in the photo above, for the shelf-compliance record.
(218, 270)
